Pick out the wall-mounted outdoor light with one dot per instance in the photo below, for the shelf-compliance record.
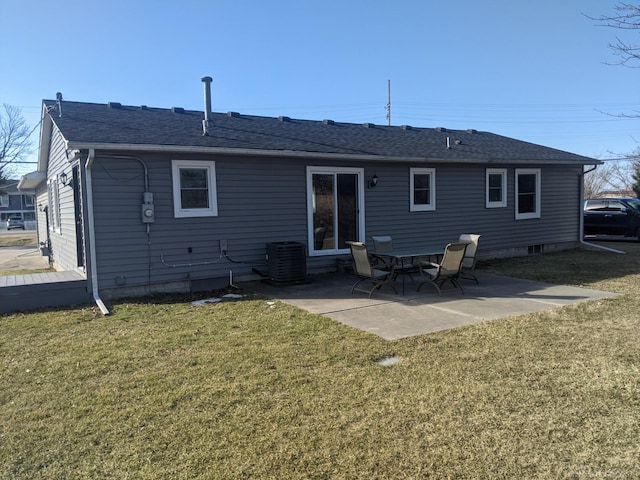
(64, 180)
(374, 181)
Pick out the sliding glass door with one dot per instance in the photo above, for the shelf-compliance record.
(335, 208)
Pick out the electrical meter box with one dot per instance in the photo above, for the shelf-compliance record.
(148, 212)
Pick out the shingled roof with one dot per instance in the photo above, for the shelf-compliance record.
(115, 126)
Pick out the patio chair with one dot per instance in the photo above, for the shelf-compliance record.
(469, 262)
(363, 269)
(448, 270)
(384, 243)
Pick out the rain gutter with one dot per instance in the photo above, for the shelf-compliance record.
(92, 237)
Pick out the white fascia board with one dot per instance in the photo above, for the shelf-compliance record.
(31, 180)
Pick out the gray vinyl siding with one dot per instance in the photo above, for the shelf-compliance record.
(460, 208)
(258, 202)
(264, 200)
(63, 240)
(41, 219)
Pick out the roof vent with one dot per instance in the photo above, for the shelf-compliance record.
(284, 119)
(369, 125)
(406, 127)
(471, 130)
(144, 107)
(177, 109)
(441, 129)
(233, 114)
(328, 122)
(114, 105)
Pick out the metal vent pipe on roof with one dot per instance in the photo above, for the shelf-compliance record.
(207, 105)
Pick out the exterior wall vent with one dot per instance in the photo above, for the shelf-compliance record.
(328, 122)
(233, 114)
(177, 109)
(114, 105)
(284, 119)
(287, 262)
(535, 249)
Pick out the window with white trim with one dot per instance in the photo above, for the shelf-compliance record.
(422, 189)
(527, 193)
(194, 188)
(54, 205)
(4, 200)
(29, 200)
(496, 188)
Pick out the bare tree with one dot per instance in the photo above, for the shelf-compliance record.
(621, 175)
(626, 18)
(15, 145)
(613, 178)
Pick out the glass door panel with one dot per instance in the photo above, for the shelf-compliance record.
(323, 207)
(334, 209)
(347, 207)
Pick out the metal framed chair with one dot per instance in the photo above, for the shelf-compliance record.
(469, 262)
(448, 270)
(384, 243)
(364, 269)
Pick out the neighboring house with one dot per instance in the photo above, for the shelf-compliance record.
(141, 200)
(16, 204)
(616, 194)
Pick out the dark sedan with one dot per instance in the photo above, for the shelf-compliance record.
(612, 216)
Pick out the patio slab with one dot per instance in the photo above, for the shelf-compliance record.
(392, 316)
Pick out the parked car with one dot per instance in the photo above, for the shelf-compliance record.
(15, 223)
(612, 216)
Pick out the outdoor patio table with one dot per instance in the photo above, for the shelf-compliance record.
(406, 258)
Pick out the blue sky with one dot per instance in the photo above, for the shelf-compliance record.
(532, 70)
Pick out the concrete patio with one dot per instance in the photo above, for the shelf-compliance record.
(392, 316)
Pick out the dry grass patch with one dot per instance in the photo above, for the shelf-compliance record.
(250, 389)
(25, 240)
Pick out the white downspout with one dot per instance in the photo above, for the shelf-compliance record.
(580, 234)
(92, 237)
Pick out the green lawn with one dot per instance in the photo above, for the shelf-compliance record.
(256, 389)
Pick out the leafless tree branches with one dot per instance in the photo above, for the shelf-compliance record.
(627, 17)
(15, 145)
(614, 177)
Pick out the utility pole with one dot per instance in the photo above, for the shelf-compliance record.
(388, 107)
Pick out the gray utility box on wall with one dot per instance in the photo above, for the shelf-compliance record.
(287, 262)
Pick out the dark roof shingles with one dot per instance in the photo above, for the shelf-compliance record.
(98, 123)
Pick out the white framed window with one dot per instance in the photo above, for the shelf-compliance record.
(422, 189)
(527, 193)
(496, 188)
(194, 188)
(4, 200)
(28, 201)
